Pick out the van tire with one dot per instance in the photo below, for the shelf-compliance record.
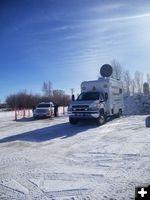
(73, 121)
(101, 120)
(119, 113)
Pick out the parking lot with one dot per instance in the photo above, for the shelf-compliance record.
(52, 159)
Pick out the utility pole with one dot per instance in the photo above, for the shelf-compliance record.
(72, 91)
(72, 94)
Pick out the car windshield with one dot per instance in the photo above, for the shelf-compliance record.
(88, 96)
(43, 105)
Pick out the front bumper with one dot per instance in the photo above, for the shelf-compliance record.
(83, 115)
(41, 115)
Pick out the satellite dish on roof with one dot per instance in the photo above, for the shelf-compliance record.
(106, 70)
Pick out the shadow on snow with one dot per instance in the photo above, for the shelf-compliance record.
(63, 131)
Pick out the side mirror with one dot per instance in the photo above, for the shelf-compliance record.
(73, 97)
(101, 100)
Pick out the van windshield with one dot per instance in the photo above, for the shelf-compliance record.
(43, 105)
(88, 96)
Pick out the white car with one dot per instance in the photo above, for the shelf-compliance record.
(44, 109)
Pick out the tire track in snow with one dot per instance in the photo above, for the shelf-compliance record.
(26, 188)
(9, 191)
(73, 194)
(64, 176)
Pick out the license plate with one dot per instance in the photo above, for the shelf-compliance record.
(79, 115)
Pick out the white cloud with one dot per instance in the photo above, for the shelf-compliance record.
(126, 18)
(106, 7)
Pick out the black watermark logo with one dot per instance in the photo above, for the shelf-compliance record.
(142, 193)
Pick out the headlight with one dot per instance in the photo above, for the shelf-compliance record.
(94, 107)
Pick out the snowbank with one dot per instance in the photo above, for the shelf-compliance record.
(137, 104)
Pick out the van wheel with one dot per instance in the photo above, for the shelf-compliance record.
(119, 113)
(73, 121)
(101, 120)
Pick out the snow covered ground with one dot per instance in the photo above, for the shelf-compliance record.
(51, 159)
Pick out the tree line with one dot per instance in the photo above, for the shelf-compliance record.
(27, 100)
(131, 84)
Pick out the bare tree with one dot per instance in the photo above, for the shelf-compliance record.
(126, 82)
(132, 87)
(117, 69)
(72, 91)
(146, 88)
(61, 98)
(138, 78)
(47, 88)
(148, 78)
(141, 81)
(22, 100)
(11, 101)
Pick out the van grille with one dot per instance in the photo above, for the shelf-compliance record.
(42, 111)
(80, 108)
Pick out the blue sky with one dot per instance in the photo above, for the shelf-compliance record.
(66, 41)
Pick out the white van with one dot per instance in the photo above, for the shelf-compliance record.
(98, 100)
